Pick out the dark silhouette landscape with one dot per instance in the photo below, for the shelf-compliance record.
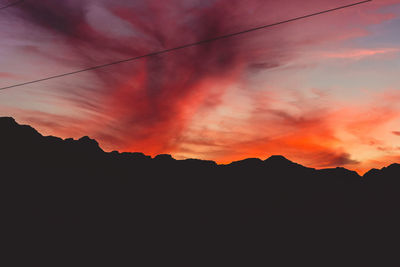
(69, 203)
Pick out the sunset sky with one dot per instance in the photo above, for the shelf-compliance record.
(323, 91)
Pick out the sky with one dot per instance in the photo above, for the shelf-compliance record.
(323, 91)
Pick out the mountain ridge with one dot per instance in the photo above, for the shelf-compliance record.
(86, 141)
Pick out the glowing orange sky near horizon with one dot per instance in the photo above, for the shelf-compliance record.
(323, 92)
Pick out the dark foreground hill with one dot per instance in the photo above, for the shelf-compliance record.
(68, 203)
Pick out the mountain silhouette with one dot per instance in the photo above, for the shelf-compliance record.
(69, 203)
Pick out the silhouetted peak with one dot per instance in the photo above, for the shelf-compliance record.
(164, 157)
(250, 162)
(277, 159)
(11, 127)
(85, 143)
(385, 170)
(394, 166)
(392, 171)
(7, 122)
(372, 172)
(88, 143)
(87, 140)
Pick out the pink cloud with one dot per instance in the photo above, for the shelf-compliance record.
(359, 53)
(7, 75)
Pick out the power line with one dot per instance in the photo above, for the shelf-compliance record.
(12, 4)
(185, 46)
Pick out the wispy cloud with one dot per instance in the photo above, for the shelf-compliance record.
(359, 53)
